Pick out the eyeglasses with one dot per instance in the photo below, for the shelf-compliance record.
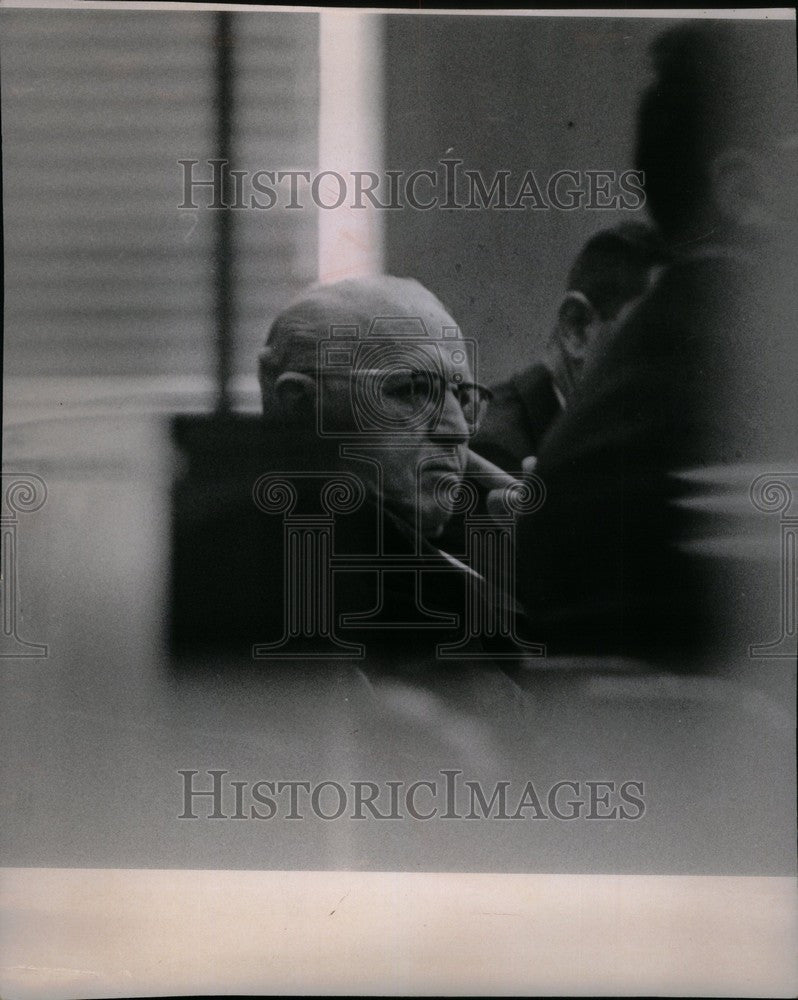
(415, 390)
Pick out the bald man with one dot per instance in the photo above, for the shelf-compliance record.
(377, 361)
(369, 402)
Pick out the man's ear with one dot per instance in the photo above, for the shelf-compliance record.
(295, 394)
(739, 187)
(576, 316)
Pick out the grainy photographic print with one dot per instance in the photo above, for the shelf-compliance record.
(399, 501)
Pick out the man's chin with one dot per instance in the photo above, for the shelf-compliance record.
(431, 522)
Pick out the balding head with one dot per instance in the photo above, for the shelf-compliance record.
(379, 305)
(382, 360)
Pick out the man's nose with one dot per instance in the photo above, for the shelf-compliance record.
(452, 422)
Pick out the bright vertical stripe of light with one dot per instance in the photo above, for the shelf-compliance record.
(351, 130)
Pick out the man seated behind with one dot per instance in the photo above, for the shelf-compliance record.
(613, 269)
(644, 545)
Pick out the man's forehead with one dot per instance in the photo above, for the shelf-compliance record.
(412, 353)
(400, 327)
(369, 304)
(356, 311)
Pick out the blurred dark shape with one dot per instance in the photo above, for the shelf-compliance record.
(646, 543)
(521, 411)
(229, 557)
(718, 86)
(216, 533)
(612, 269)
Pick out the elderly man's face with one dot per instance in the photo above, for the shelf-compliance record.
(411, 409)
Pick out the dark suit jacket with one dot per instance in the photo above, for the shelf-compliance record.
(695, 379)
(521, 411)
(228, 556)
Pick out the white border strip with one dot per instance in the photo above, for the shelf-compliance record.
(106, 933)
(736, 13)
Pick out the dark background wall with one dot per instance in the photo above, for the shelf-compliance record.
(507, 93)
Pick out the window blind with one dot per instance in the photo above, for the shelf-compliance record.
(104, 274)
